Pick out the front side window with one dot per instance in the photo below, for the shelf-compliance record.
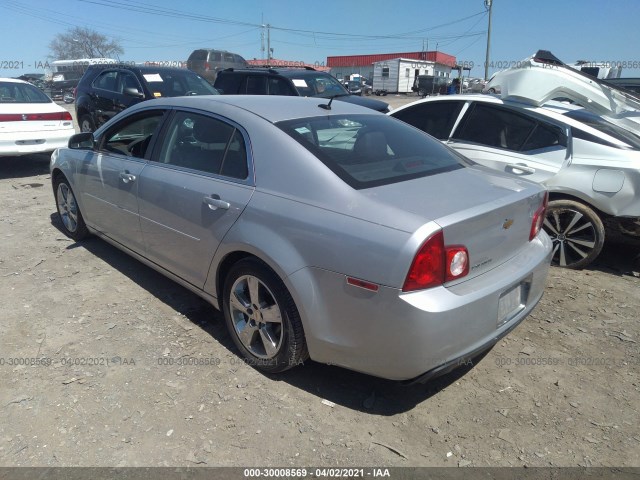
(131, 137)
(370, 150)
(205, 144)
(107, 81)
(435, 118)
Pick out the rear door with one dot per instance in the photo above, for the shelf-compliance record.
(511, 141)
(194, 190)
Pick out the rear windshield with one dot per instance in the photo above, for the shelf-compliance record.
(11, 92)
(372, 150)
(199, 56)
(177, 83)
(599, 123)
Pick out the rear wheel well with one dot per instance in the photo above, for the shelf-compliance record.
(226, 265)
(566, 196)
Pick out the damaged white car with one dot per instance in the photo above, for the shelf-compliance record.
(554, 125)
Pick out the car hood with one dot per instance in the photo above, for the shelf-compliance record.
(542, 77)
(371, 103)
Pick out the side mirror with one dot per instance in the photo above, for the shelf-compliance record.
(81, 141)
(133, 92)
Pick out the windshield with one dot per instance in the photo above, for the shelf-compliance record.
(13, 92)
(602, 125)
(322, 85)
(371, 150)
(177, 83)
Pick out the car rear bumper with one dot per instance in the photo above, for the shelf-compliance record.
(419, 335)
(24, 143)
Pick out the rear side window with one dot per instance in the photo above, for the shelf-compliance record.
(503, 128)
(256, 85)
(205, 144)
(435, 118)
(604, 126)
(280, 86)
(228, 84)
(371, 150)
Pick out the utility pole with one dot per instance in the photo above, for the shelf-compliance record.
(268, 43)
(262, 38)
(489, 5)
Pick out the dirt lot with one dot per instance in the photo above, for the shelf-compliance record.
(562, 390)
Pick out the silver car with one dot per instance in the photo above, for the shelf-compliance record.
(590, 165)
(321, 229)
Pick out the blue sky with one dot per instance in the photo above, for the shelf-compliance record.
(312, 30)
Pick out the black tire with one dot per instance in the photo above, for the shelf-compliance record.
(243, 312)
(577, 233)
(68, 209)
(86, 123)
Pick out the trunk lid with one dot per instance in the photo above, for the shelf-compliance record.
(489, 213)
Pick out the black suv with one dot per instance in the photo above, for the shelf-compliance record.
(106, 90)
(305, 82)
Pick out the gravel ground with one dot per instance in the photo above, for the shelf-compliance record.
(91, 343)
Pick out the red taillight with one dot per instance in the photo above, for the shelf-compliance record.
(207, 66)
(19, 117)
(435, 264)
(538, 217)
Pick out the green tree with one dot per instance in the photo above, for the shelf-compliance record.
(81, 42)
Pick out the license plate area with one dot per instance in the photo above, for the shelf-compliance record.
(511, 302)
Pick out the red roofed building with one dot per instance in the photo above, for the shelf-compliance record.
(345, 65)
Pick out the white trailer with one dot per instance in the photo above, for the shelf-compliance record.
(398, 75)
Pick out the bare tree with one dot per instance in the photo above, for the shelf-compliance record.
(81, 42)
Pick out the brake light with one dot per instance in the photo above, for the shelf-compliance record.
(19, 117)
(538, 217)
(207, 66)
(435, 264)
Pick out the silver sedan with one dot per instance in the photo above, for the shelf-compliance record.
(321, 229)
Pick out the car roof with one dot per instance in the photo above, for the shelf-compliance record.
(273, 108)
(12, 80)
(139, 68)
(285, 72)
(554, 110)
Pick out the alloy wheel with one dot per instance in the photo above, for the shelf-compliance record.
(256, 317)
(67, 207)
(573, 234)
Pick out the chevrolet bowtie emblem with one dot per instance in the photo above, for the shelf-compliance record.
(507, 223)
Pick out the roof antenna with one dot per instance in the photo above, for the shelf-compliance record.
(328, 105)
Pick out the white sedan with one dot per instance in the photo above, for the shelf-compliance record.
(30, 122)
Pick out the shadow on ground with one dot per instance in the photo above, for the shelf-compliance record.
(24, 166)
(343, 387)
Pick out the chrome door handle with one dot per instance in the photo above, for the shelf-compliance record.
(127, 177)
(522, 168)
(216, 203)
